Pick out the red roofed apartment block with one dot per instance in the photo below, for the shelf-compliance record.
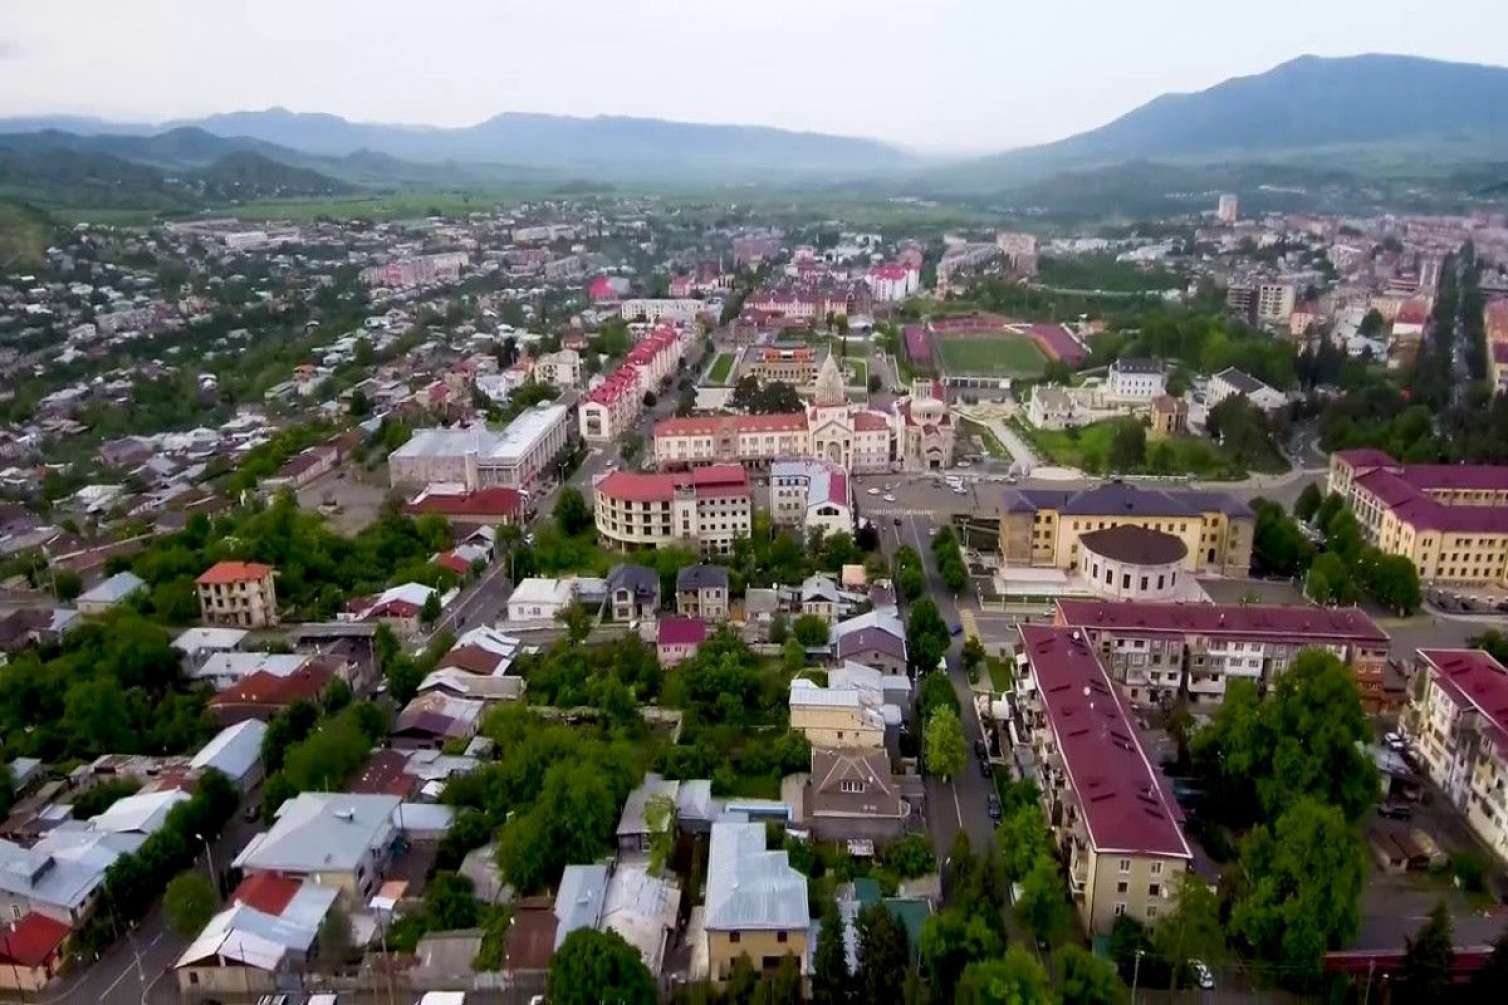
(243, 594)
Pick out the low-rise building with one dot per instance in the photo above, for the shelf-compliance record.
(1457, 722)
(1136, 380)
(259, 943)
(1106, 802)
(678, 639)
(561, 369)
(539, 599)
(852, 795)
(835, 717)
(756, 903)
(243, 594)
(337, 839)
(1232, 382)
(519, 456)
(112, 592)
(811, 494)
(701, 591)
(1167, 416)
(633, 592)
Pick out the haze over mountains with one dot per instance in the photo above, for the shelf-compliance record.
(1349, 108)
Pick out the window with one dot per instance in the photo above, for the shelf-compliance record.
(1122, 886)
(1120, 909)
(1154, 890)
(781, 936)
(734, 936)
(852, 786)
(1125, 865)
(1156, 869)
(1151, 911)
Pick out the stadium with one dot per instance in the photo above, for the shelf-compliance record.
(983, 351)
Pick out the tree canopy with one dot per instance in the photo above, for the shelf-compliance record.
(592, 967)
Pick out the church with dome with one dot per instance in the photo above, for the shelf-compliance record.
(917, 434)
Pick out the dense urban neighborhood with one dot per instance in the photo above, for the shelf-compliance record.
(627, 598)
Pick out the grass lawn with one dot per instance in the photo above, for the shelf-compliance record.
(858, 372)
(721, 367)
(1088, 448)
(992, 444)
(991, 356)
(1000, 673)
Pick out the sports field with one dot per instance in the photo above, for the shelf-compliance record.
(721, 367)
(990, 355)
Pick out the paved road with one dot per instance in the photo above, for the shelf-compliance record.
(962, 801)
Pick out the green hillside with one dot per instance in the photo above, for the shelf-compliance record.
(24, 233)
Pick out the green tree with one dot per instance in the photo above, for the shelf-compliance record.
(334, 937)
(1086, 979)
(950, 940)
(69, 584)
(1192, 929)
(933, 691)
(1394, 582)
(1042, 907)
(577, 621)
(1015, 979)
(659, 815)
(1278, 546)
(783, 987)
(189, 902)
(945, 746)
(1023, 840)
(1128, 446)
(450, 902)
(909, 857)
(927, 635)
(1492, 642)
(793, 656)
(973, 653)
(572, 514)
(591, 967)
(830, 976)
(811, 631)
(430, 612)
(779, 628)
(1308, 502)
(1428, 960)
(1301, 886)
(884, 955)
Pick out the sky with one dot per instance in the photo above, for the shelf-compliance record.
(943, 76)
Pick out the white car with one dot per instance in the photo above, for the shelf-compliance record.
(1203, 976)
(959, 490)
(1393, 740)
(889, 497)
(873, 491)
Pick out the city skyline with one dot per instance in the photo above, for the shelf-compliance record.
(949, 81)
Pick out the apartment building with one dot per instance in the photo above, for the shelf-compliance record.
(809, 493)
(243, 594)
(610, 408)
(1457, 721)
(1041, 527)
(560, 369)
(1158, 650)
(1275, 302)
(708, 508)
(1450, 520)
(730, 439)
(1106, 802)
(681, 311)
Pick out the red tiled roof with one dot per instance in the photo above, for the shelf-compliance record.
(1366, 457)
(714, 480)
(267, 892)
(33, 940)
(455, 563)
(1122, 798)
(868, 422)
(384, 775)
(233, 572)
(681, 632)
(263, 688)
(1474, 680)
(472, 659)
(1246, 620)
(1412, 504)
(496, 499)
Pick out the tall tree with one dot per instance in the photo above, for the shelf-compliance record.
(572, 513)
(883, 954)
(1086, 979)
(1042, 906)
(1192, 929)
(1015, 979)
(830, 977)
(189, 903)
(1427, 960)
(592, 967)
(945, 746)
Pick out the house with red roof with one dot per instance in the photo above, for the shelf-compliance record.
(678, 638)
(243, 594)
(1457, 725)
(495, 504)
(1108, 804)
(262, 694)
(31, 952)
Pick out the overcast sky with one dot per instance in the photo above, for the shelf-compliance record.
(941, 75)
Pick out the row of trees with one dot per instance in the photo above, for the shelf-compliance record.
(949, 558)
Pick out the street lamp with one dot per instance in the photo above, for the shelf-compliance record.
(209, 859)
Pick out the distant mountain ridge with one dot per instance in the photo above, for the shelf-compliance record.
(1307, 103)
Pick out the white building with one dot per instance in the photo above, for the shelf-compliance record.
(811, 493)
(1275, 302)
(476, 457)
(538, 599)
(1136, 380)
(1232, 381)
(1227, 209)
(682, 311)
(562, 369)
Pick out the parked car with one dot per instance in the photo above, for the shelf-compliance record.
(1393, 740)
(994, 807)
(1395, 811)
(980, 750)
(986, 769)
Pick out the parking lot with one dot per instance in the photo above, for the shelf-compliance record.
(350, 497)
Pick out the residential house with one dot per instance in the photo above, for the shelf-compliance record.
(756, 903)
(31, 952)
(116, 590)
(701, 591)
(831, 717)
(876, 638)
(262, 694)
(1230, 381)
(633, 592)
(434, 718)
(238, 593)
(198, 644)
(235, 752)
(634, 827)
(852, 795)
(336, 839)
(677, 639)
(821, 596)
(537, 599)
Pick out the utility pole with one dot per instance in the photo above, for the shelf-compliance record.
(1136, 975)
(1366, 993)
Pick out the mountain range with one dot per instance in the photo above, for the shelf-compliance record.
(1355, 114)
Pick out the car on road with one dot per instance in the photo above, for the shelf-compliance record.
(1393, 740)
(1203, 975)
(955, 629)
(873, 491)
(889, 497)
(986, 769)
(981, 751)
(959, 490)
(993, 805)
(1395, 811)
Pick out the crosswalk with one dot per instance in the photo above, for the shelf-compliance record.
(896, 511)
